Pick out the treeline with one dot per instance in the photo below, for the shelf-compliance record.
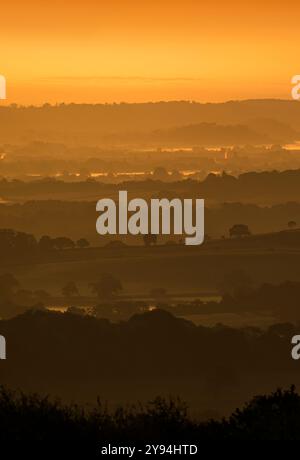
(75, 219)
(24, 244)
(65, 347)
(15, 298)
(267, 186)
(239, 296)
(281, 300)
(66, 122)
(30, 417)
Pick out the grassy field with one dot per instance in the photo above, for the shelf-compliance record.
(178, 269)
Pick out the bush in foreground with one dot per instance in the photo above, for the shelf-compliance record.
(31, 417)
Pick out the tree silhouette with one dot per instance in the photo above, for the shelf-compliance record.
(292, 224)
(161, 174)
(239, 231)
(107, 286)
(82, 243)
(19, 242)
(150, 239)
(8, 286)
(46, 243)
(63, 242)
(24, 242)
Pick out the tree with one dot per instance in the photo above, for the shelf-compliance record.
(176, 176)
(63, 242)
(292, 224)
(46, 243)
(161, 174)
(239, 231)
(70, 290)
(82, 243)
(6, 240)
(107, 286)
(8, 286)
(24, 243)
(271, 417)
(19, 242)
(150, 239)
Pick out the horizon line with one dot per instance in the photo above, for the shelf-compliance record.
(178, 101)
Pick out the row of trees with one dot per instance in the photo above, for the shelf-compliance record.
(242, 230)
(26, 243)
(47, 244)
(106, 287)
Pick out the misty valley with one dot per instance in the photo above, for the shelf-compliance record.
(101, 297)
(149, 226)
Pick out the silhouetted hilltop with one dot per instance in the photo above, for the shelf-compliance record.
(67, 354)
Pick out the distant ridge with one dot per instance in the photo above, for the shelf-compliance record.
(89, 123)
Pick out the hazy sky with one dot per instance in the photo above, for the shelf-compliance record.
(129, 50)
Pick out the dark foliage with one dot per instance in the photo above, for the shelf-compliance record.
(31, 417)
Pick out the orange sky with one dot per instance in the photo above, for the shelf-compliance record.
(129, 50)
